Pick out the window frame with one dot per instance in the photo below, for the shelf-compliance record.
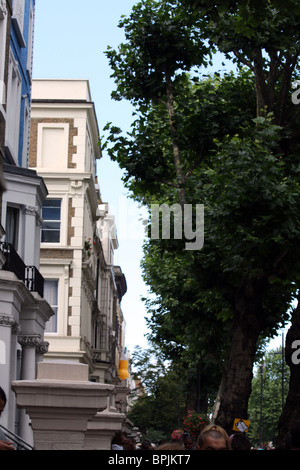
(49, 329)
(65, 127)
(10, 210)
(13, 108)
(47, 242)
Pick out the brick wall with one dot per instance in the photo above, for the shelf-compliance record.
(73, 131)
(56, 253)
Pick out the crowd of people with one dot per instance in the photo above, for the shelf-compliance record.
(212, 437)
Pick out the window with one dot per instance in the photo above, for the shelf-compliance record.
(52, 145)
(13, 110)
(51, 295)
(12, 226)
(3, 26)
(96, 328)
(51, 214)
(103, 336)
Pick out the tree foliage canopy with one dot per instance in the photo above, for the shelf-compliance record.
(229, 142)
(164, 43)
(263, 36)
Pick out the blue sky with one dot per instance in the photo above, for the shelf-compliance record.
(69, 42)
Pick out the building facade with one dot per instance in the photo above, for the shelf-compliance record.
(23, 310)
(60, 293)
(5, 23)
(18, 89)
(78, 238)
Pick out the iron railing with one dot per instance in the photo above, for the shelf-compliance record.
(34, 280)
(13, 262)
(30, 275)
(18, 442)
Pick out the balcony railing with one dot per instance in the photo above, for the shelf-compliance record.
(30, 275)
(13, 262)
(34, 280)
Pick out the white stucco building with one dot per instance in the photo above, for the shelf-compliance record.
(62, 329)
(78, 239)
(61, 322)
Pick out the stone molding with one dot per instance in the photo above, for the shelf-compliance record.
(60, 403)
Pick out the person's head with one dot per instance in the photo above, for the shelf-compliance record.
(173, 445)
(117, 439)
(2, 400)
(240, 441)
(213, 437)
(188, 441)
(128, 444)
(146, 445)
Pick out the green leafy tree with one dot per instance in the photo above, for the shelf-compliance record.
(159, 408)
(237, 278)
(291, 410)
(261, 35)
(265, 403)
(160, 46)
(207, 110)
(246, 176)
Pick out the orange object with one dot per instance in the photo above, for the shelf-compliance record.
(123, 366)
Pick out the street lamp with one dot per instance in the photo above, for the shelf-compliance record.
(261, 367)
(282, 369)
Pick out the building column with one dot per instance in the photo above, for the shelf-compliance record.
(29, 344)
(14, 372)
(29, 257)
(13, 294)
(6, 325)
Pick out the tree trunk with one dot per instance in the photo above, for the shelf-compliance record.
(180, 178)
(236, 382)
(262, 91)
(291, 410)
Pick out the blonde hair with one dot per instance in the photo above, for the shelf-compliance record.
(215, 430)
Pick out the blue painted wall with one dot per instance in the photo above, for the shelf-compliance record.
(20, 51)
